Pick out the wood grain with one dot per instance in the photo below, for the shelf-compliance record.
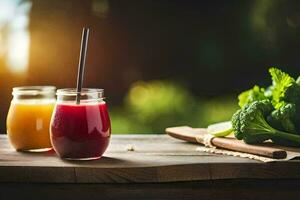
(197, 135)
(155, 159)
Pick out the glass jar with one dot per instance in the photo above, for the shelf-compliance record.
(29, 117)
(80, 131)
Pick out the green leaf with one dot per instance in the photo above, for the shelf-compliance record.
(281, 81)
(249, 96)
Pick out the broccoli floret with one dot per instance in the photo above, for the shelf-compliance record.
(283, 118)
(249, 124)
(292, 94)
(235, 121)
(285, 90)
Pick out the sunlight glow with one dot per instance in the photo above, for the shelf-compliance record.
(14, 34)
(18, 51)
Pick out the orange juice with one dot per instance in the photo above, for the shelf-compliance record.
(28, 120)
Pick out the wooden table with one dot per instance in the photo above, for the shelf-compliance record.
(160, 167)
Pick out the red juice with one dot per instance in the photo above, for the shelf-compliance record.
(80, 131)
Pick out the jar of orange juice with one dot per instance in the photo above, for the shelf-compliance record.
(29, 117)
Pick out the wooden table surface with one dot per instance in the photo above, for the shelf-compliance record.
(156, 159)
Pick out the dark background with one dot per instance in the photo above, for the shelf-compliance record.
(213, 49)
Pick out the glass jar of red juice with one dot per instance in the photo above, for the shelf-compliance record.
(80, 131)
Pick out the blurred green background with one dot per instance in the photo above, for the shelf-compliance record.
(161, 63)
(150, 107)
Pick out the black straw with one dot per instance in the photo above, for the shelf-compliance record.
(81, 65)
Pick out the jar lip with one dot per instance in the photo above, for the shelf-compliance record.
(33, 90)
(84, 91)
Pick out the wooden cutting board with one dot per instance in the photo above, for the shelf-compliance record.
(196, 135)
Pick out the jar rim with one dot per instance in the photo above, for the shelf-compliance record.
(84, 91)
(33, 90)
